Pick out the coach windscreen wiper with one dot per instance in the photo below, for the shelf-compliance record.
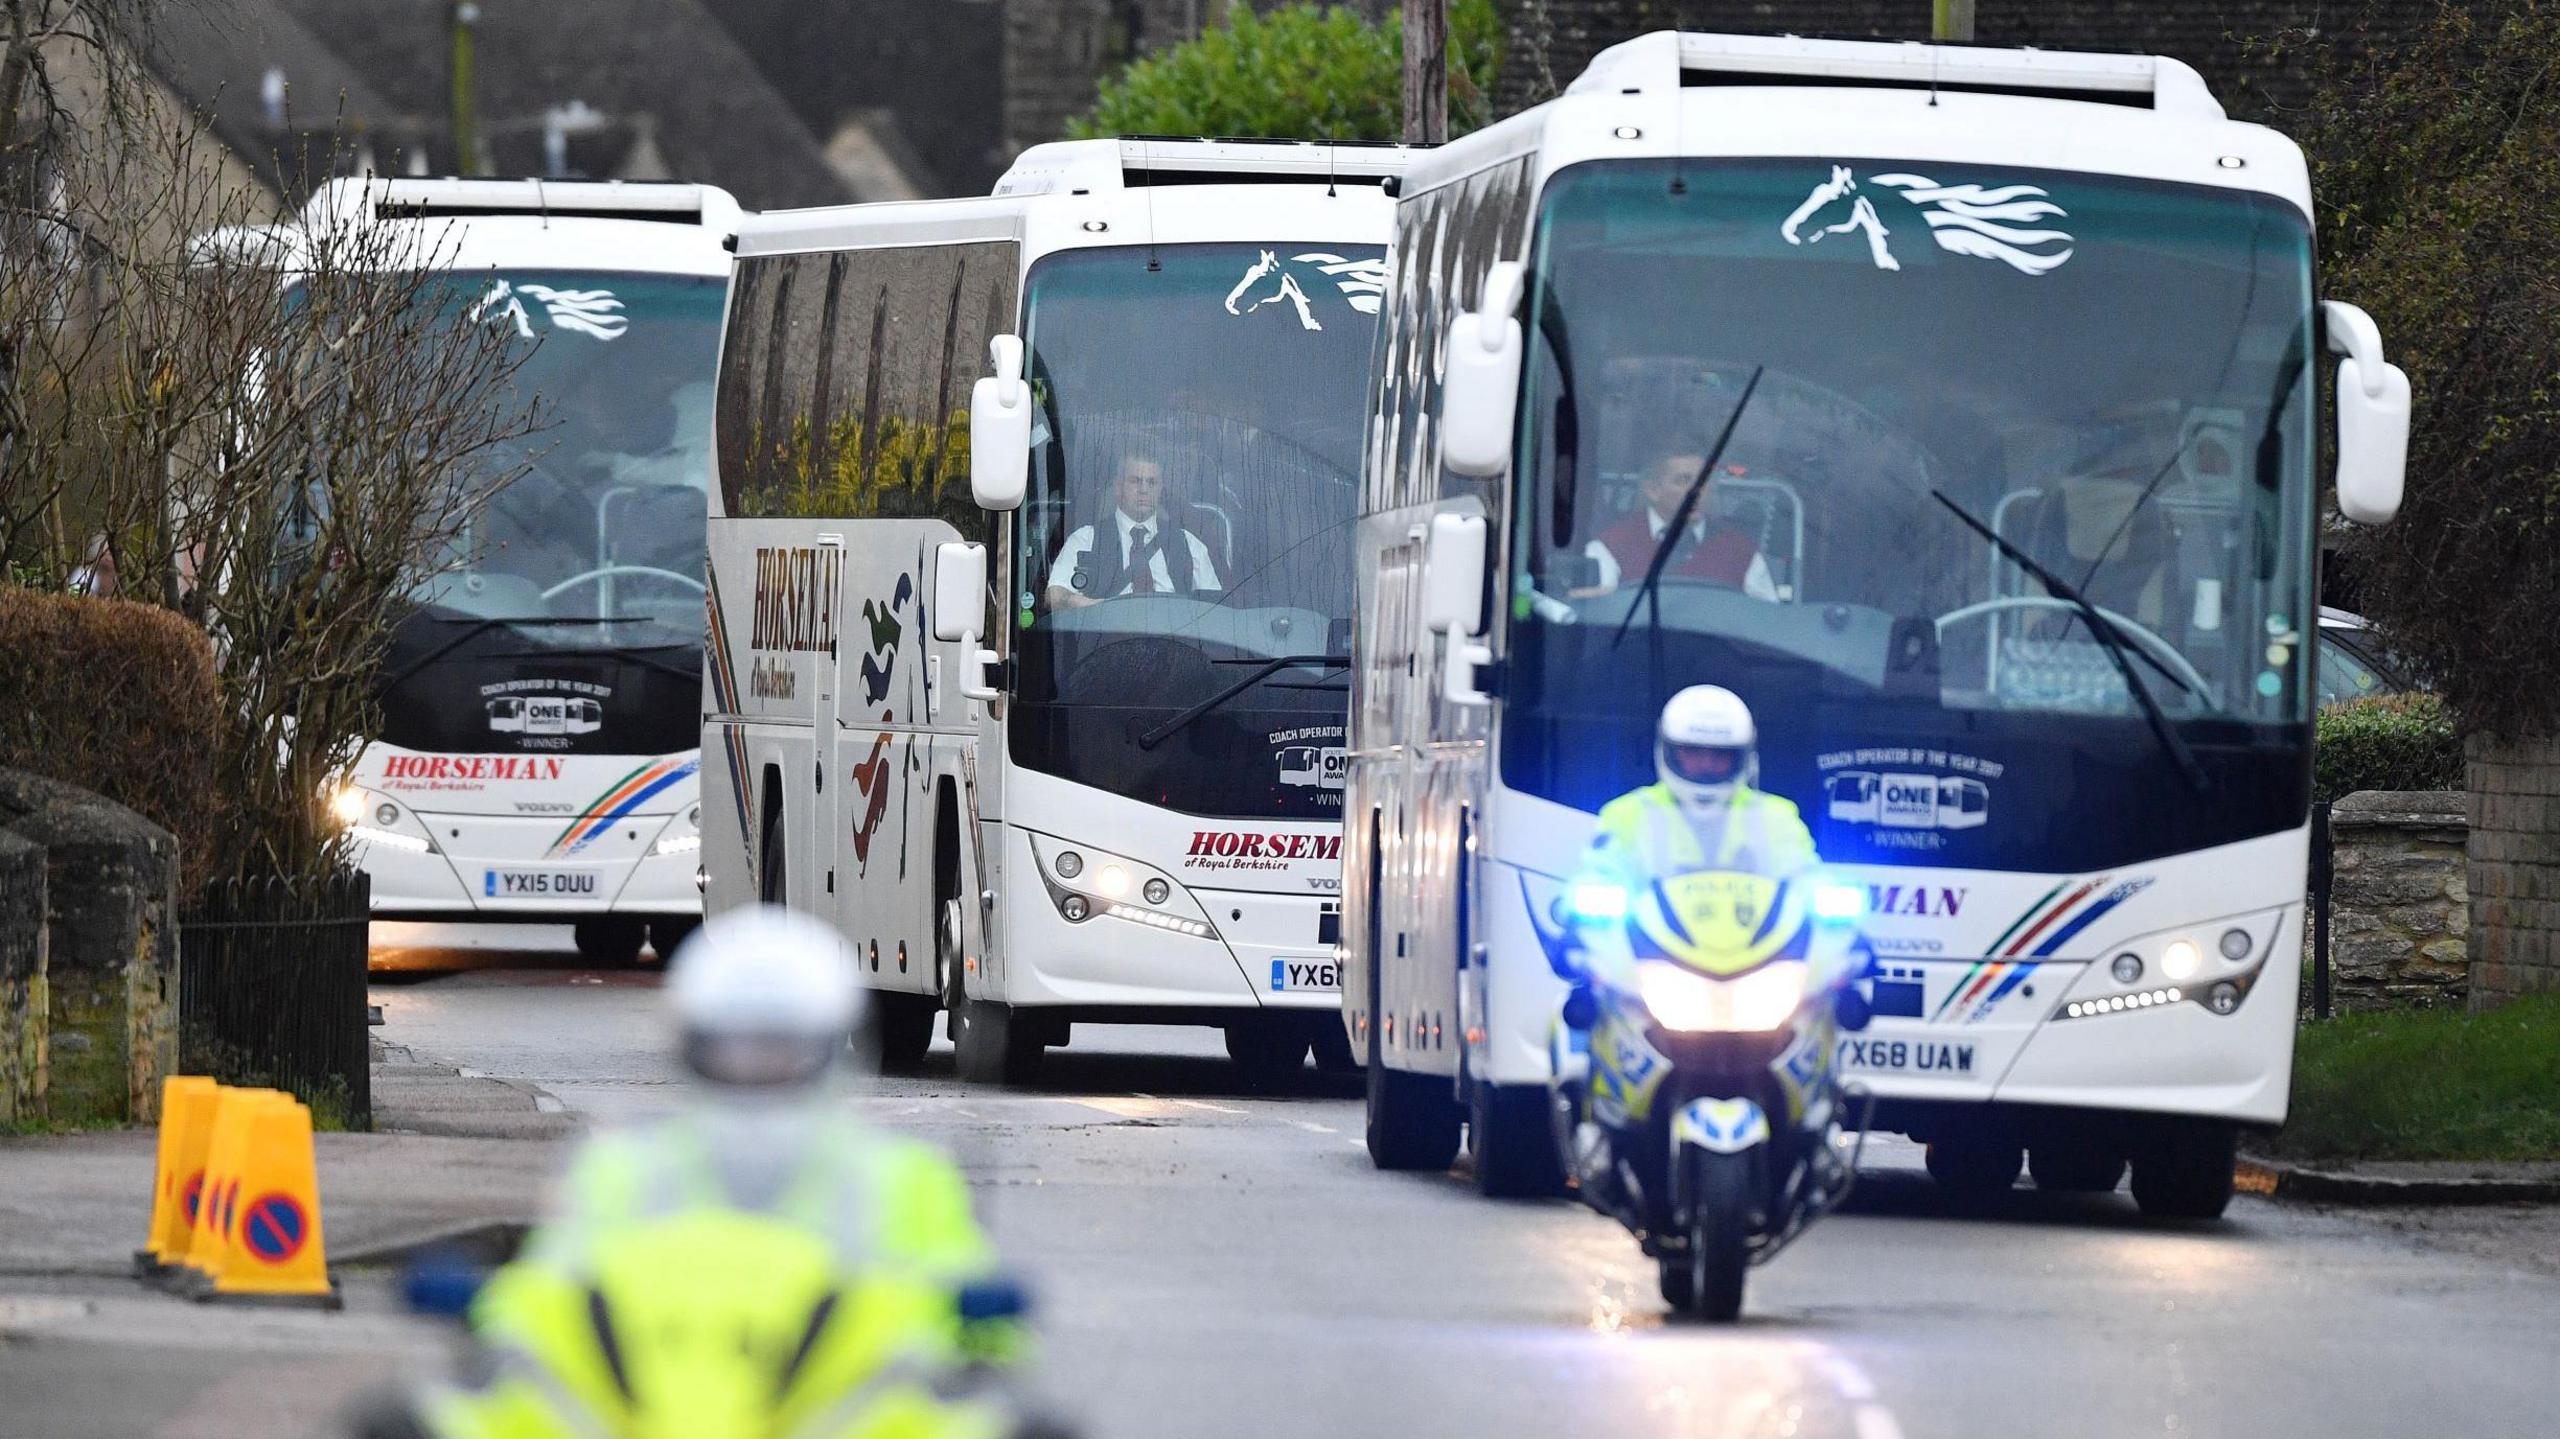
(1261, 672)
(2109, 640)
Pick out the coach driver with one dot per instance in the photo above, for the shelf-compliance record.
(1148, 553)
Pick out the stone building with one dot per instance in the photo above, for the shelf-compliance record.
(631, 89)
(906, 96)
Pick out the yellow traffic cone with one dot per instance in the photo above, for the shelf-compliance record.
(186, 1127)
(271, 1214)
(226, 1155)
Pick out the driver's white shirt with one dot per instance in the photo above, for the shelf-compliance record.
(1756, 582)
(1079, 545)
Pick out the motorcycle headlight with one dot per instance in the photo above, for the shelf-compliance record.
(1839, 903)
(1687, 1002)
(1596, 900)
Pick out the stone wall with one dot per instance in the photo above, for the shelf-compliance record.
(2515, 867)
(2400, 899)
(110, 1018)
(22, 974)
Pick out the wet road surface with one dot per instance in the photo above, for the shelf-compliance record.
(1208, 1260)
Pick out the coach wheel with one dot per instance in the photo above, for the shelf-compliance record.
(903, 1030)
(1332, 1045)
(902, 1024)
(2184, 1171)
(1512, 1142)
(1969, 1167)
(1412, 1121)
(2076, 1168)
(994, 1042)
(609, 941)
(998, 1044)
(1269, 1051)
(667, 935)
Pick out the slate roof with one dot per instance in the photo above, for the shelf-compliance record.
(925, 77)
(217, 58)
(661, 70)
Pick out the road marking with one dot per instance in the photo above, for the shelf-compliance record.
(1212, 1108)
(1311, 1127)
(1135, 1106)
(1867, 1415)
(22, 1313)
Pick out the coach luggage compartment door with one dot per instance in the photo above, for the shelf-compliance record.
(826, 718)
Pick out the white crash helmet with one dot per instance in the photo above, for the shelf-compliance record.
(1706, 748)
(764, 998)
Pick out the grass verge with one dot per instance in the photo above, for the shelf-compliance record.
(2428, 1084)
(45, 1128)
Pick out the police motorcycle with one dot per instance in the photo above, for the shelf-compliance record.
(714, 1324)
(1694, 1095)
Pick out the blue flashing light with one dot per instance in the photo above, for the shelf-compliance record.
(1839, 903)
(1597, 899)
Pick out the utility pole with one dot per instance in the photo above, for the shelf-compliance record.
(1951, 20)
(1426, 71)
(464, 114)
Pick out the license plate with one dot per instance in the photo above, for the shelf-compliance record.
(1297, 976)
(539, 884)
(1906, 1056)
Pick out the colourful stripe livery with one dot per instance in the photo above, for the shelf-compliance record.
(2064, 911)
(724, 695)
(625, 795)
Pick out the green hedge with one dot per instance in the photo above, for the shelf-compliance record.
(118, 698)
(1299, 71)
(2401, 741)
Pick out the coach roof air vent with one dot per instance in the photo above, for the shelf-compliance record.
(1656, 62)
(412, 199)
(1067, 167)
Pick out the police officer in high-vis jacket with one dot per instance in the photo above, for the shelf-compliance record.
(760, 1243)
(1704, 809)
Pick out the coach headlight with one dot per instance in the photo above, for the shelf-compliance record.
(1686, 1002)
(347, 806)
(378, 820)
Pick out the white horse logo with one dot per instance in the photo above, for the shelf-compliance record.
(1363, 284)
(589, 312)
(2006, 223)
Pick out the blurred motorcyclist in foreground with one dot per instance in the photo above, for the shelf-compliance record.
(758, 1264)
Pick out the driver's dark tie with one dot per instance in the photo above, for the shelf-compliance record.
(1142, 555)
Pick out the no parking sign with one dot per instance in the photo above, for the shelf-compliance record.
(274, 1227)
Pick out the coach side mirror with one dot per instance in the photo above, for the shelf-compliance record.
(1453, 602)
(1000, 429)
(1480, 381)
(2373, 417)
(959, 591)
(960, 610)
(1453, 576)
